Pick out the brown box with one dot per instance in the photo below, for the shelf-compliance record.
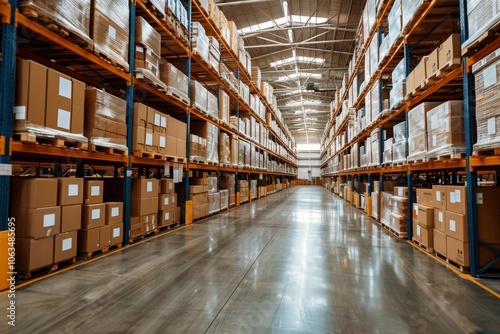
(143, 206)
(166, 202)
(140, 115)
(171, 146)
(456, 199)
(149, 141)
(456, 225)
(166, 217)
(37, 223)
(78, 106)
(450, 51)
(420, 74)
(181, 131)
(417, 231)
(93, 192)
(65, 246)
(116, 234)
(401, 191)
(427, 237)
(488, 215)
(181, 148)
(93, 216)
(144, 188)
(162, 143)
(199, 199)
(424, 215)
(31, 93)
(432, 64)
(439, 240)
(172, 125)
(166, 186)
(89, 240)
(105, 236)
(439, 197)
(440, 220)
(33, 254)
(71, 218)
(70, 191)
(33, 192)
(457, 251)
(173, 200)
(177, 215)
(114, 213)
(410, 82)
(139, 138)
(150, 121)
(58, 104)
(425, 197)
(197, 189)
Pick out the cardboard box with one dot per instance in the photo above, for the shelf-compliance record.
(78, 106)
(31, 93)
(166, 217)
(139, 138)
(144, 188)
(417, 232)
(456, 225)
(439, 197)
(105, 236)
(93, 191)
(424, 215)
(450, 51)
(71, 218)
(58, 104)
(172, 125)
(181, 148)
(440, 220)
(432, 64)
(65, 246)
(199, 199)
(93, 216)
(143, 206)
(70, 191)
(140, 115)
(89, 240)
(116, 234)
(427, 237)
(33, 192)
(114, 213)
(171, 146)
(439, 240)
(33, 254)
(488, 215)
(401, 191)
(456, 199)
(457, 251)
(420, 74)
(425, 197)
(37, 223)
(177, 215)
(166, 202)
(166, 186)
(149, 141)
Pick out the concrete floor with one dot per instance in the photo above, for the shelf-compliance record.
(299, 261)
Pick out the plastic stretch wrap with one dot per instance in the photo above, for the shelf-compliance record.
(410, 9)
(395, 20)
(225, 149)
(214, 46)
(399, 131)
(147, 36)
(213, 203)
(368, 73)
(227, 181)
(212, 105)
(42, 131)
(241, 153)
(159, 5)
(234, 151)
(385, 208)
(375, 205)
(481, 15)
(367, 112)
(256, 76)
(397, 93)
(247, 155)
(399, 152)
(212, 184)
(369, 17)
(445, 129)
(383, 49)
(244, 92)
(212, 143)
(388, 150)
(72, 15)
(199, 96)
(399, 205)
(111, 30)
(375, 101)
(375, 147)
(253, 188)
(417, 130)
(398, 223)
(176, 81)
(486, 76)
(224, 107)
(374, 60)
(224, 199)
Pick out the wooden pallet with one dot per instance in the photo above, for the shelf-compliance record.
(107, 150)
(31, 138)
(176, 160)
(486, 153)
(149, 155)
(451, 263)
(45, 270)
(486, 37)
(142, 236)
(149, 78)
(154, 10)
(399, 235)
(447, 157)
(104, 250)
(176, 95)
(110, 60)
(422, 246)
(169, 227)
(198, 160)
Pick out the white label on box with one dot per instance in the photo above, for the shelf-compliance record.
(163, 141)
(418, 230)
(453, 225)
(440, 217)
(400, 192)
(96, 214)
(458, 198)
(5, 169)
(149, 139)
(447, 126)
(95, 191)
(434, 122)
(416, 210)
(139, 49)
(149, 186)
(479, 198)
(20, 112)
(434, 140)
(49, 220)
(157, 119)
(64, 87)
(166, 201)
(438, 196)
(170, 186)
(115, 212)
(67, 244)
(173, 199)
(167, 215)
(112, 32)
(492, 126)
(452, 197)
(72, 189)
(116, 232)
(63, 119)
(163, 122)
(490, 76)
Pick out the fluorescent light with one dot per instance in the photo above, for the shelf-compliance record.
(285, 20)
(300, 75)
(290, 35)
(299, 59)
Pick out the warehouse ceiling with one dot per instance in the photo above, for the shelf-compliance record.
(302, 48)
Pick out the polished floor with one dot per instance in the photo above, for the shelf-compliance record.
(299, 261)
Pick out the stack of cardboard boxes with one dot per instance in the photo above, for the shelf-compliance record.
(147, 52)
(228, 182)
(399, 146)
(423, 218)
(417, 130)
(144, 207)
(176, 81)
(394, 210)
(214, 53)
(198, 194)
(213, 195)
(445, 129)
(244, 191)
(207, 132)
(225, 149)
(169, 212)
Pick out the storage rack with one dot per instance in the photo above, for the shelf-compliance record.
(459, 81)
(85, 66)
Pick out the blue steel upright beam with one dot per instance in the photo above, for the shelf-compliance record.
(409, 178)
(188, 115)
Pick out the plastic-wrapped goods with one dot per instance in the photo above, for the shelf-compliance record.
(256, 76)
(212, 105)
(234, 150)
(445, 129)
(147, 36)
(375, 93)
(375, 205)
(253, 188)
(176, 81)
(111, 30)
(374, 59)
(375, 147)
(417, 130)
(213, 203)
(241, 153)
(244, 92)
(367, 112)
(481, 16)
(368, 71)
(383, 49)
(397, 94)
(199, 41)
(209, 133)
(395, 20)
(385, 208)
(388, 150)
(486, 76)
(212, 184)
(224, 106)
(369, 17)
(105, 116)
(399, 152)
(72, 15)
(225, 149)
(399, 131)
(224, 199)
(159, 6)
(410, 9)
(199, 96)
(204, 5)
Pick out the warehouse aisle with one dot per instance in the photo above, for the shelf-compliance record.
(299, 261)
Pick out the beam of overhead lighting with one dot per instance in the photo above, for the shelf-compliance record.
(297, 44)
(300, 75)
(241, 2)
(299, 59)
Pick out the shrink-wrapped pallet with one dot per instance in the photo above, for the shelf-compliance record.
(225, 149)
(199, 96)
(481, 16)
(388, 150)
(224, 199)
(397, 93)
(417, 130)
(176, 81)
(213, 203)
(410, 10)
(445, 129)
(395, 20)
(375, 147)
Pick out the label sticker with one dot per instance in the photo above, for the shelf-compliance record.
(149, 139)
(63, 119)
(167, 215)
(434, 140)
(72, 189)
(447, 126)
(434, 122)
(479, 198)
(163, 122)
(67, 244)
(418, 230)
(166, 201)
(438, 196)
(490, 76)
(116, 232)
(457, 196)
(163, 141)
(112, 32)
(452, 197)
(492, 126)
(49, 220)
(96, 214)
(64, 87)
(157, 120)
(416, 210)
(115, 212)
(95, 191)
(20, 112)
(149, 186)
(440, 217)
(453, 225)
